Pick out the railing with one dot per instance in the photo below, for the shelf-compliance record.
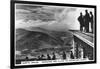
(83, 45)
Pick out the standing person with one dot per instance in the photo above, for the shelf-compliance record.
(91, 21)
(42, 56)
(39, 58)
(86, 20)
(54, 56)
(48, 57)
(81, 21)
(71, 55)
(64, 55)
(27, 58)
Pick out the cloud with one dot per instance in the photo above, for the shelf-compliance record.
(49, 17)
(34, 14)
(27, 7)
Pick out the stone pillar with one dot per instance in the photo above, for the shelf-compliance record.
(76, 46)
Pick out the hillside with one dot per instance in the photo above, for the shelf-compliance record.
(41, 40)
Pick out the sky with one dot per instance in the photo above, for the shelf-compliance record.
(48, 17)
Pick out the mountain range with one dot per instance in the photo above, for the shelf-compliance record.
(38, 39)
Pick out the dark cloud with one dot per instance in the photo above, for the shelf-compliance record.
(27, 6)
(28, 12)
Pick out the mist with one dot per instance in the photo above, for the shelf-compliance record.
(58, 18)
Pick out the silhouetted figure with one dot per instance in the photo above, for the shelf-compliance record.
(54, 56)
(86, 20)
(81, 21)
(71, 55)
(48, 57)
(64, 55)
(42, 56)
(91, 21)
(27, 58)
(39, 58)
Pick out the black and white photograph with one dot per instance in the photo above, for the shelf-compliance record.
(51, 34)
